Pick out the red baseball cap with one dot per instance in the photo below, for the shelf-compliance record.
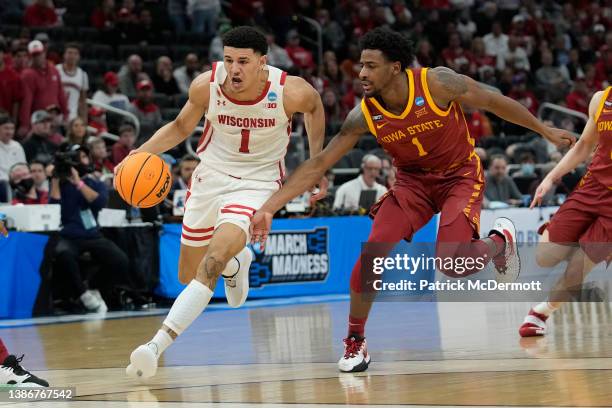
(144, 84)
(111, 78)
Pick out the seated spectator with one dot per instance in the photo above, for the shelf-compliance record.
(353, 96)
(104, 16)
(125, 30)
(23, 189)
(130, 74)
(514, 57)
(125, 144)
(333, 34)
(527, 161)
(57, 124)
(187, 73)
(38, 170)
(455, 56)
(11, 152)
(481, 61)
(77, 132)
(103, 166)
(186, 168)
(277, 55)
(349, 193)
(81, 197)
(499, 187)
(97, 120)
(109, 94)
(496, 42)
(578, 99)
(300, 56)
(146, 111)
(41, 13)
(163, 80)
(551, 80)
(38, 145)
(21, 59)
(520, 93)
(11, 89)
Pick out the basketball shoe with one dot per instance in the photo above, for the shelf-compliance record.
(507, 263)
(236, 278)
(143, 362)
(12, 373)
(356, 357)
(533, 325)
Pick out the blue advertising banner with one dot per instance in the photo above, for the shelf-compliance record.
(310, 256)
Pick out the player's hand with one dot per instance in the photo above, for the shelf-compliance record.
(560, 137)
(321, 193)
(541, 191)
(261, 223)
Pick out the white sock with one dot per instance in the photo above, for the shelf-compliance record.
(188, 306)
(160, 342)
(544, 308)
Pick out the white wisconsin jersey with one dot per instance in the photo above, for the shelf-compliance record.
(246, 139)
(73, 85)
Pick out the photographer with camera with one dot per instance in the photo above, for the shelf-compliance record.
(81, 197)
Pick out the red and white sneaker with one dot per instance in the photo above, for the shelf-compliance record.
(356, 357)
(533, 325)
(507, 263)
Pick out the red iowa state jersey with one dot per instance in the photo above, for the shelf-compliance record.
(424, 136)
(601, 166)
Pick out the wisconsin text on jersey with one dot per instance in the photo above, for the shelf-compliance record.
(246, 122)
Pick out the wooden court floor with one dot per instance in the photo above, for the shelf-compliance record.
(446, 354)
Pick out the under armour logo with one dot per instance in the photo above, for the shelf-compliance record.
(219, 102)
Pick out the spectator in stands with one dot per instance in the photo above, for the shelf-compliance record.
(147, 33)
(527, 161)
(74, 80)
(523, 95)
(57, 125)
(333, 34)
(514, 57)
(424, 53)
(176, 11)
(578, 99)
(163, 80)
(38, 170)
(480, 59)
(23, 189)
(38, 145)
(353, 96)
(333, 112)
(146, 111)
(41, 13)
(11, 152)
(551, 80)
(52, 56)
(496, 42)
(104, 16)
(187, 73)
(42, 87)
(204, 14)
(391, 178)
(348, 194)
(110, 95)
(186, 168)
(77, 131)
(103, 166)
(277, 55)
(300, 56)
(126, 29)
(21, 59)
(130, 74)
(125, 144)
(97, 120)
(81, 197)
(455, 56)
(499, 186)
(466, 27)
(11, 89)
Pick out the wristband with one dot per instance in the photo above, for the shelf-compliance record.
(80, 185)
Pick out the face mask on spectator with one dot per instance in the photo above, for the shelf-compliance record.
(23, 187)
(528, 169)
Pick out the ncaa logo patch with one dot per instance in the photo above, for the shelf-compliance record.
(272, 96)
(419, 101)
(377, 117)
(608, 103)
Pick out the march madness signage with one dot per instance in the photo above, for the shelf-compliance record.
(291, 257)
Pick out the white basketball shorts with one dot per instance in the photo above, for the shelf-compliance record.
(216, 198)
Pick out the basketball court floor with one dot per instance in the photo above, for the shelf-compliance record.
(424, 354)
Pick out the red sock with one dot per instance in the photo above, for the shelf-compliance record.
(357, 326)
(3, 352)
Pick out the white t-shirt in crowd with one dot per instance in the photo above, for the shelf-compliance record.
(10, 153)
(73, 85)
(348, 194)
(116, 100)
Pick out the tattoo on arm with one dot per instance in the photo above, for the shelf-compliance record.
(354, 123)
(451, 82)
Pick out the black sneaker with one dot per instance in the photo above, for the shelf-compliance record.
(12, 373)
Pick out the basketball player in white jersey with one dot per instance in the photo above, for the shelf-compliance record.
(75, 81)
(248, 106)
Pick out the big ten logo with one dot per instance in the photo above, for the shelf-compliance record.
(165, 186)
(292, 256)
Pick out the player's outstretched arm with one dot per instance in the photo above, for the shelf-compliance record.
(447, 86)
(578, 154)
(309, 173)
(183, 125)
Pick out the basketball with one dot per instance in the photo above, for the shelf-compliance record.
(143, 180)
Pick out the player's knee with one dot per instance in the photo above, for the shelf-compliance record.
(212, 265)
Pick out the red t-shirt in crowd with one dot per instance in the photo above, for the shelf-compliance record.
(578, 102)
(11, 90)
(38, 15)
(42, 197)
(120, 152)
(41, 89)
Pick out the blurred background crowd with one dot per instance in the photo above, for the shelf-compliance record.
(83, 82)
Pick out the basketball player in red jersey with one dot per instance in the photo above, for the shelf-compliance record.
(417, 118)
(581, 230)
